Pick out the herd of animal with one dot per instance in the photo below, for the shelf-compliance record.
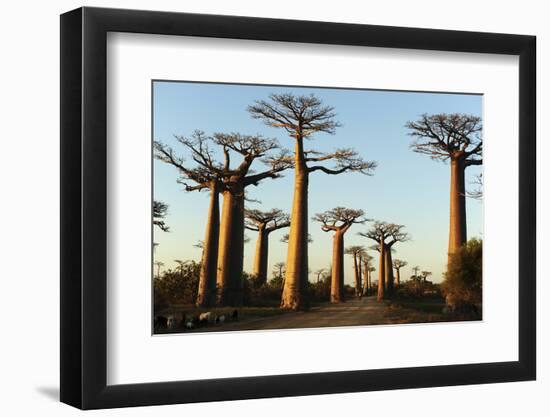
(182, 322)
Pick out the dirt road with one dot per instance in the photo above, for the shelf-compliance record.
(353, 312)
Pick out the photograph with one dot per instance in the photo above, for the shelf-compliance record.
(292, 207)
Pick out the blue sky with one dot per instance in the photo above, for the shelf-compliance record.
(406, 188)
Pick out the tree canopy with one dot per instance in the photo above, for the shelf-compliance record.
(339, 219)
(443, 136)
(269, 220)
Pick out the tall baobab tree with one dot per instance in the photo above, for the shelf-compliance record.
(387, 262)
(320, 273)
(205, 174)
(356, 252)
(360, 256)
(366, 264)
(160, 210)
(302, 117)
(376, 247)
(397, 265)
(380, 233)
(454, 137)
(370, 269)
(396, 235)
(235, 181)
(338, 220)
(264, 222)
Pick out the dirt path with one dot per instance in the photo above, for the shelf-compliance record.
(351, 313)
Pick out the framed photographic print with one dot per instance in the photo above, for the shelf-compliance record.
(249, 205)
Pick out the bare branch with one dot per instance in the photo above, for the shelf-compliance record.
(160, 210)
(444, 136)
(339, 219)
(300, 116)
(345, 160)
(266, 220)
(478, 192)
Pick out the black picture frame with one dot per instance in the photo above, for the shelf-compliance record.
(84, 207)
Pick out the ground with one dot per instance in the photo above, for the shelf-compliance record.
(364, 311)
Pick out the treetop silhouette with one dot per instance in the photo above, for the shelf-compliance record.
(448, 136)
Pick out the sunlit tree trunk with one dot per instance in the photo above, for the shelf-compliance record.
(398, 276)
(231, 247)
(366, 280)
(294, 291)
(457, 224)
(388, 271)
(261, 256)
(357, 272)
(382, 272)
(206, 296)
(337, 284)
(369, 286)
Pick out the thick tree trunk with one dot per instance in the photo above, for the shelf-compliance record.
(457, 224)
(296, 277)
(357, 270)
(231, 247)
(369, 286)
(366, 280)
(398, 276)
(389, 272)
(260, 260)
(337, 284)
(381, 272)
(206, 296)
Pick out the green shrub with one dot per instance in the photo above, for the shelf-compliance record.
(177, 287)
(462, 286)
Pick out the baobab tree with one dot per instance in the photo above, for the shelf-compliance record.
(454, 137)
(320, 273)
(356, 252)
(376, 247)
(369, 270)
(360, 255)
(264, 222)
(396, 235)
(397, 265)
(366, 264)
(338, 220)
(302, 117)
(232, 239)
(425, 275)
(279, 273)
(205, 174)
(380, 233)
(159, 265)
(160, 210)
(416, 277)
